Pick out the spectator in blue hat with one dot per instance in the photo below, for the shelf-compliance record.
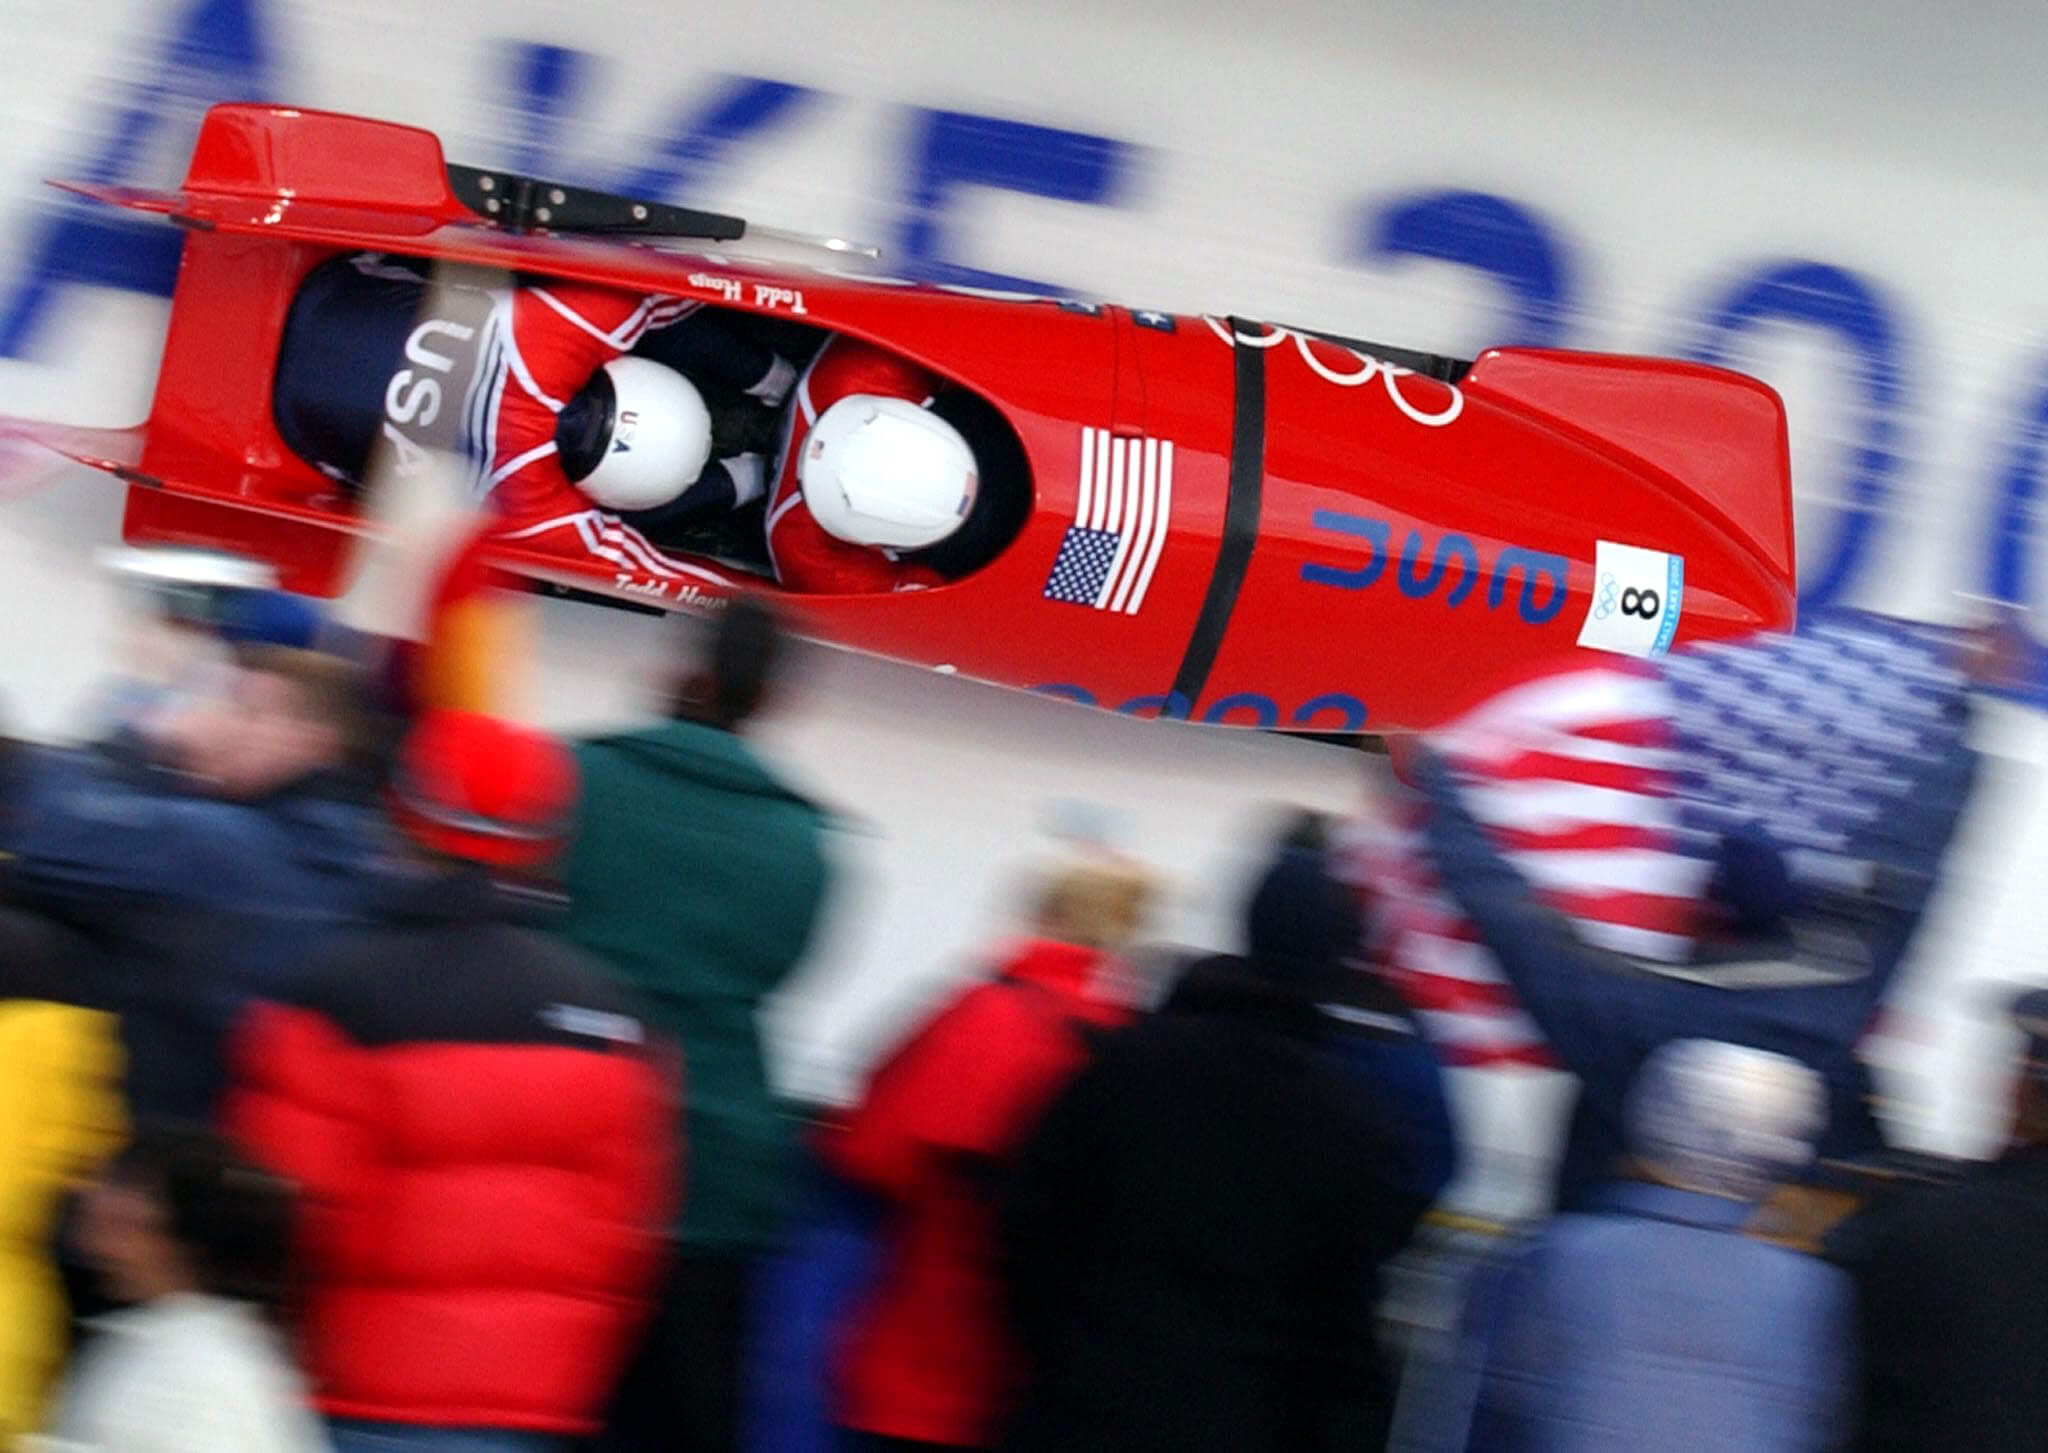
(271, 618)
(1649, 1320)
(190, 612)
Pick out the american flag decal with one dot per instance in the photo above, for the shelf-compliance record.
(1121, 516)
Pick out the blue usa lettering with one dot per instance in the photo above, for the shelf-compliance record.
(1539, 570)
(1451, 547)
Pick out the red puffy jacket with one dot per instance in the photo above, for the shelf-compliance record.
(486, 1152)
(926, 1357)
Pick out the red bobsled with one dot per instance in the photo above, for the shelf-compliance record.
(1209, 517)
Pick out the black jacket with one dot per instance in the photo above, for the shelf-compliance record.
(1191, 1241)
(1954, 1285)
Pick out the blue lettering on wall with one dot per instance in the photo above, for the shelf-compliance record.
(546, 81)
(217, 51)
(1536, 567)
(952, 150)
(1492, 235)
(2018, 487)
(1823, 296)
(2018, 491)
(701, 135)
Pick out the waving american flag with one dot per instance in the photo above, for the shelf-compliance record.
(1609, 785)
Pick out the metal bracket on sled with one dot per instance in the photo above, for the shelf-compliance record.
(521, 204)
(524, 204)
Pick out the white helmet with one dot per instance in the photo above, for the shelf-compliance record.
(658, 440)
(885, 473)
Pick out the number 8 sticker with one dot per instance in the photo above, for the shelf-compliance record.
(1637, 595)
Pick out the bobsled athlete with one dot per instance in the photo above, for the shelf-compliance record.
(585, 414)
(869, 477)
(588, 415)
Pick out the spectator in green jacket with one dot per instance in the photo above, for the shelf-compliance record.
(697, 876)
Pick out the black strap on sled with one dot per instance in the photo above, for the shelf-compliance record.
(1240, 513)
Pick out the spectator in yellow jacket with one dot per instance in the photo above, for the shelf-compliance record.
(60, 1115)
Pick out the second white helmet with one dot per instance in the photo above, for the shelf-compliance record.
(885, 473)
(659, 439)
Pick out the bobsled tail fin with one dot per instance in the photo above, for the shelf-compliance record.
(1719, 435)
(183, 495)
(111, 451)
(320, 158)
(254, 166)
(291, 173)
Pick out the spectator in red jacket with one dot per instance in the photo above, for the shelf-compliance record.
(481, 1131)
(925, 1362)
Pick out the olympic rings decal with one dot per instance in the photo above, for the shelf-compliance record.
(1369, 367)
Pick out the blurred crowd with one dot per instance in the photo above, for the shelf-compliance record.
(381, 1075)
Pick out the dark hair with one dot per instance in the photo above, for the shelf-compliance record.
(17, 766)
(1303, 828)
(325, 688)
(1751, 882)
(1301, 920)
(230, 1217)
(738, 666)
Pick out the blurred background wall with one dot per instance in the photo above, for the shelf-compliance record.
(1844, 198)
